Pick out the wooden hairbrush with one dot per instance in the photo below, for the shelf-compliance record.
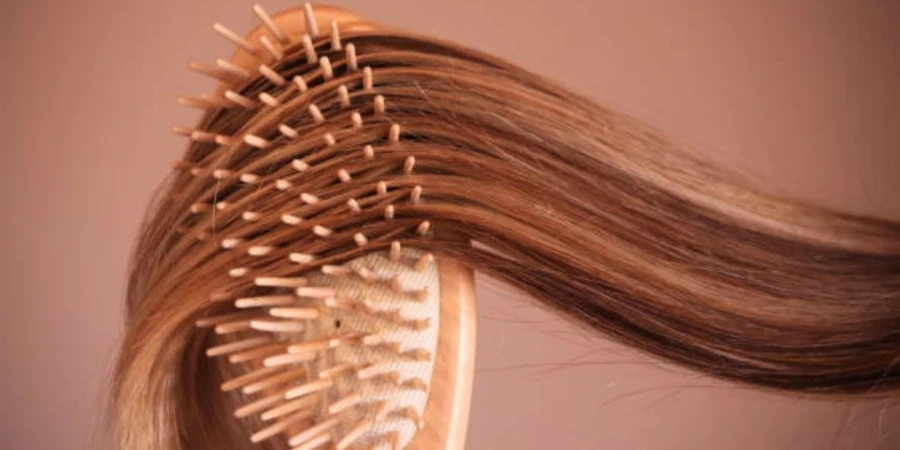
(336, 332)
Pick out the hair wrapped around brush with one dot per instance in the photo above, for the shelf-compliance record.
(397, 137)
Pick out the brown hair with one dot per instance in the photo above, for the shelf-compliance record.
(594, 214)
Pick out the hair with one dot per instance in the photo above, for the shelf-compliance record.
(594, 214)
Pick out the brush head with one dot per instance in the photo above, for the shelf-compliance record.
(335, 329)
(346, 351)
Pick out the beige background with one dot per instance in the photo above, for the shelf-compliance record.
(804, 94)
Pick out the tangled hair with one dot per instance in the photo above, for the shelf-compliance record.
(590, 212)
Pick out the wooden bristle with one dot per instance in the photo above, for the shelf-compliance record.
(234, 38)
(270, 24)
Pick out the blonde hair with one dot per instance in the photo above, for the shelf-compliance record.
(594, 214)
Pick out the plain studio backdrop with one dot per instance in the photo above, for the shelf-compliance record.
(801, 94)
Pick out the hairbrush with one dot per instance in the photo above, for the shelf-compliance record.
(335, 331)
